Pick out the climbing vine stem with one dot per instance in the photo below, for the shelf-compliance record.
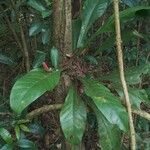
(122, 75)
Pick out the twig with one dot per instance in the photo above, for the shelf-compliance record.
(5, 114)
(122, 75)
(42, 110)
(142, 113)
(25, 49)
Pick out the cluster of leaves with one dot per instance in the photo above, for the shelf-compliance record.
(112, 118)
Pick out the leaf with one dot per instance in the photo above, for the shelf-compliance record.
(54, 57)
(24, 128)
(45, 36)
(35, 28)
(30, 87)
(46, 13)
(17, 132)
(125, 15)
(7, 147)
(127, 36)
(36, 4)
(6, 136)
(73, 117)
(90, 13)
(24, 143)
(91, 59)
(137, 96)
(110, 135)
(133, 75)
(76, 26)
(108, 104)
(39, 59)
(36, 129)
(6, 60)
(130, 3)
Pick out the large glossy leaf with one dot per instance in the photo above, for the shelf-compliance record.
(92, 10)
(30, 87)
(73, 117)
(109, 134)
(108, 104)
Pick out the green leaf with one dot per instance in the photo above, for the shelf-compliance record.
(7, 147)
(90, 13)
(108, 104)
(39, 58)
(6, 136)
(110, 135)
(133, 75)
(17, 132)
(45, 36)
(32, 86)
(36, 129)
(76, 26)
(24, 128)
(127, 36)
(73, 117)
(54, 57)
(24, 143)
(6, 60)
(35, 28)
(125, 15)
(137, 96)
(46, 13)
(130, 3)
(36, 4)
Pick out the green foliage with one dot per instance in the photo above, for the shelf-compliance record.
(125, 16)
(54, 57)
(73, 117)
(108, 104)
(6, 60)
(32, 86)
(90, 13)
(96, 60)
(6, 136)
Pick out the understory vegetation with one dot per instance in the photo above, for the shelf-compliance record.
(62, 82)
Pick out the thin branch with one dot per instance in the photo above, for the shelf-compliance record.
(42, 110)
(25, 49)
(142, 113)
(5, 114)
(122, 75)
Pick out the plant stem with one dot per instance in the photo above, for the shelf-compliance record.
(42, 110)
(141, 113)
(122, 75)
